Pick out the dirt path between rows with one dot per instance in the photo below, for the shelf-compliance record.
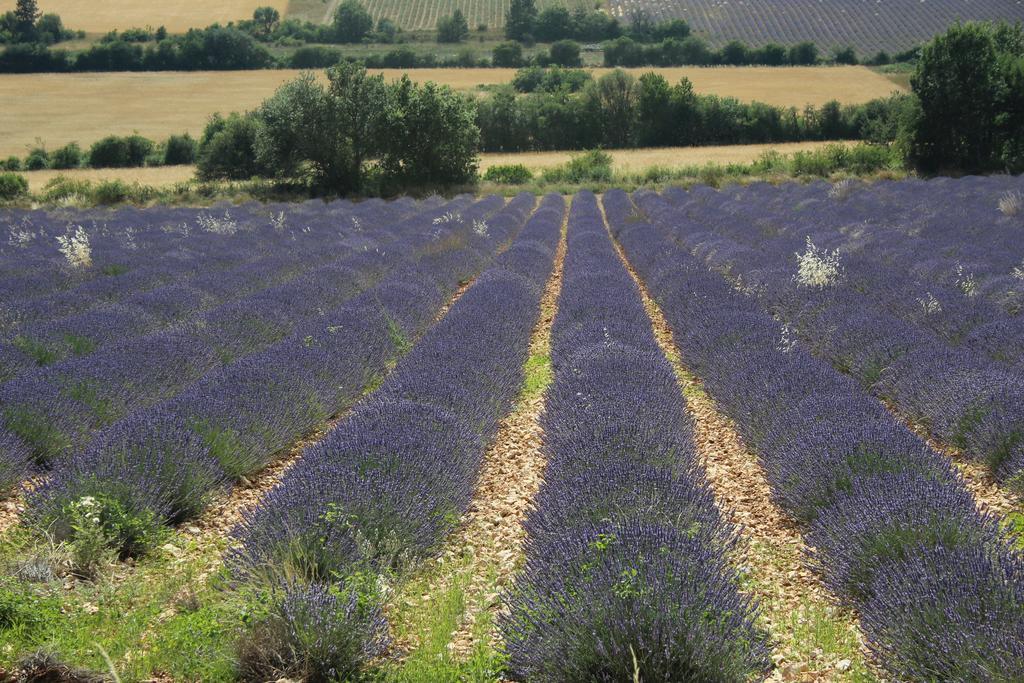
(792, 598)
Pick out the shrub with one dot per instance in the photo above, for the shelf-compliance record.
(227, 149)
(593, 166)
(12, 186)
(109, 192)
(566, 53)
(14, 460)
(316, 633)
(509, 174)
(179, 150)
(453, 29)
(37, 160)
(12, 163)
(68, 156)
(120, 152)
(314, 57)
(62, 188)
(507, 55)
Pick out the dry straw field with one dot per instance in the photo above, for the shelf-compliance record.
(625, 160)
(175, 15)
(60, 108)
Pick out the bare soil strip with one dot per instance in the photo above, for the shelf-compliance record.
(487, 547)
(792, 598)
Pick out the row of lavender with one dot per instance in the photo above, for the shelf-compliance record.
(139, 282)
(627, 560)
(386, 485)
(946, 360)
(935, 230)
(56, 409)
(937, 584)
(161, 464)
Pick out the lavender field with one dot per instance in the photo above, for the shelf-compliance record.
(750, 433)
(867, 25)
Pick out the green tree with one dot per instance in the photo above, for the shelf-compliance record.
(803, 54)
(26, 13)
(613, 101)
(735, 53)
(507, 55)
(845, 55)
(956, 84)
(553, 23)
(324, 134)
(227, 149)
(352, 22)
(566, 53)
(521, 20)
(266, 20)
(655, 114)
(430, 138)
(453, 29)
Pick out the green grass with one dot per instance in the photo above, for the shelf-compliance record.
(154, 617)
(816, 633)
(431, 623)
(538, 375)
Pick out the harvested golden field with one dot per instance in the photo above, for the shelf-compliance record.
(669, 157)
(625, 160)
(177, 16)
(83, 107)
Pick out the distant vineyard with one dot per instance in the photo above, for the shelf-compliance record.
(868, 25)
(423, 14)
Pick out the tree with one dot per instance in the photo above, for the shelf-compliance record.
(613, 101)
(323, 133)
(431, 137)
(735, 53)
(956, 84)
(521, 20)
(352, 22)
(845, 55)
(803, 54)
(507, 55)
(566, 53)
(227, 149)
(26, 13)
(453, 29)
(266, 20)
(553, 23)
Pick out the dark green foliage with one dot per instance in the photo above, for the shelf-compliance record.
(592, 166)
(553, 23)
(120, 152)
(12, 186)
(431, 138)
(12, 163)
(508, 174)
(803, 54)
(37, 159)
(453, 29)
(26, 13)
(352, 23)
(314, 57)
(566, 53)
(968, 84)
(520, 20)
(845, 55)
(507, 55)
(325, 133)
(68, 156)
(33, 58)
(227, 149)
(179, 150)
(266, 19)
